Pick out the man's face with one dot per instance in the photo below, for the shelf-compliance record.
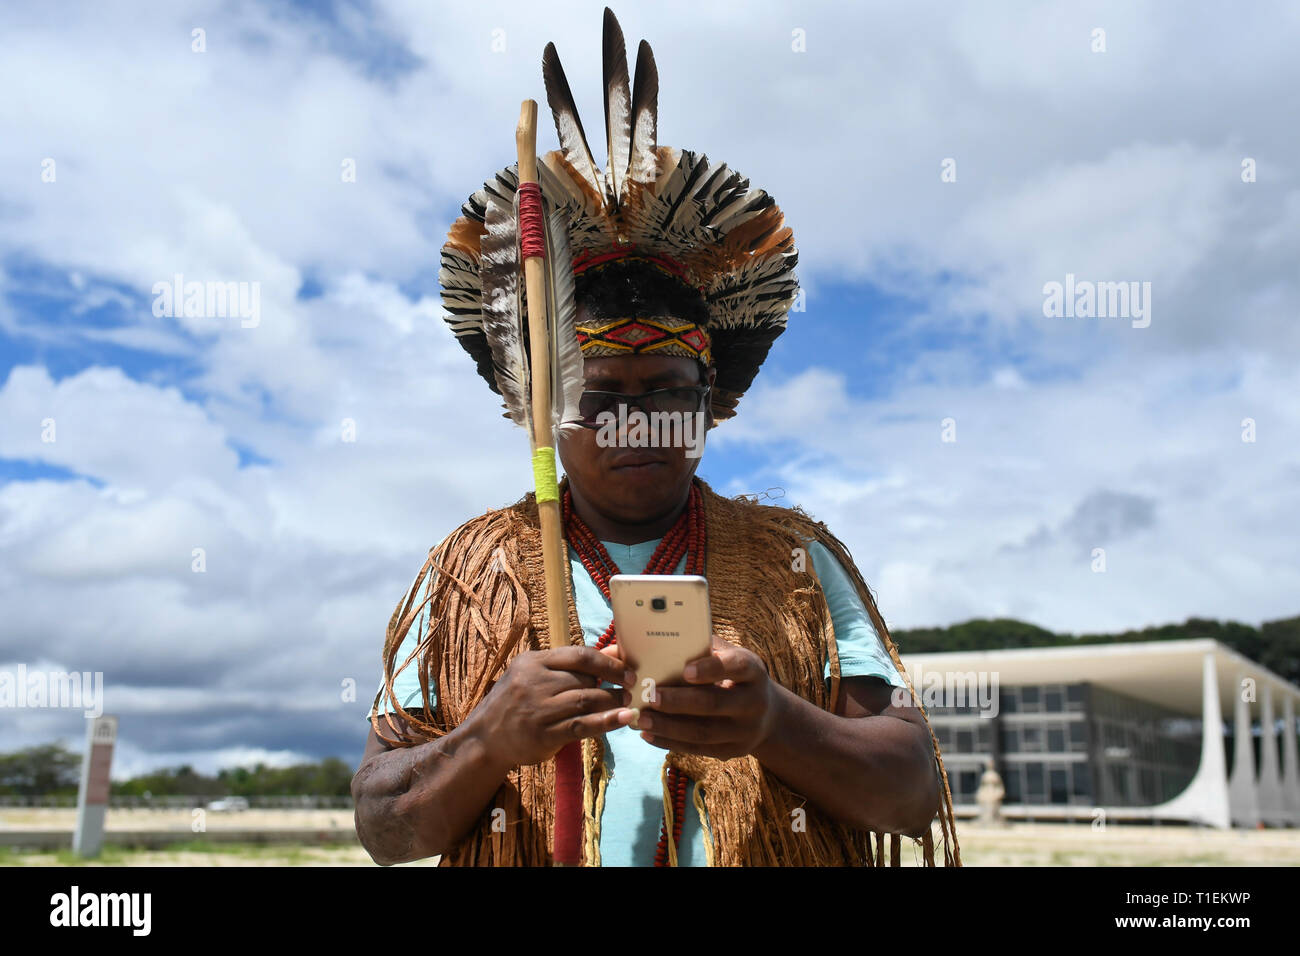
(631, 485)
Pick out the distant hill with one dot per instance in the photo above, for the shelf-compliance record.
(1275, 644)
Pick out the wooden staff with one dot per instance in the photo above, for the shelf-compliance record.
(568, 762)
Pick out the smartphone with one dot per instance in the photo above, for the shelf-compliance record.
(663, 622)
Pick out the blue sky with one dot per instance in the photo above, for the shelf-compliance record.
(924, 304)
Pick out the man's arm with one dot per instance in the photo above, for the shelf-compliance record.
(870, 764)
(415, 802)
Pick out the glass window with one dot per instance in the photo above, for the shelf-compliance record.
(1053, 701)
(1074, 694)
(1082, 780)
(1034, 783)
(1011, 781)
(968, 782)
(1078, 735)
(1119, 783)
(1060, 785)
(1011, 739)
(1032, 735)
(1030, 700)
(1009, 702)
(965, 742)
(1056, 739)
(1169, 785)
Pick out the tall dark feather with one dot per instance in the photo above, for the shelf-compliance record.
(643, 164)
(618, 106)
(568, 125)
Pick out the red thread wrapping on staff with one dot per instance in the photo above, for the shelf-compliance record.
(568, 805)
(532, 229)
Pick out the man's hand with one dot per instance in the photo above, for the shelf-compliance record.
(728, 710)
(545, 699)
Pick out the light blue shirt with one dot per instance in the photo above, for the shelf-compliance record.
(633, 814)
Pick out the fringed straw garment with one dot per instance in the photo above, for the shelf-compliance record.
(486, 590)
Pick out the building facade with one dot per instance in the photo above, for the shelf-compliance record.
(1118, 731)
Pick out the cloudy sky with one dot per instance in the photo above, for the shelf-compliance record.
(128, 439)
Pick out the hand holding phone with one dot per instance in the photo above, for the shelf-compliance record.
(663, 622)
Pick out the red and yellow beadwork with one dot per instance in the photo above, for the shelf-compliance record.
(658, 336)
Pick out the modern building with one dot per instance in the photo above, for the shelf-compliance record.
(1146, 731)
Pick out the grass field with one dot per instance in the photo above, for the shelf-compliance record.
(1019, 844)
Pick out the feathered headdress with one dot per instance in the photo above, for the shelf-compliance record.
(697, 219)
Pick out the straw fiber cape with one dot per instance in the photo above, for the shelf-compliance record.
(485, 588)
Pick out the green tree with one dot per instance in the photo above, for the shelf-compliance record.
(40, 771)
(1275, 644)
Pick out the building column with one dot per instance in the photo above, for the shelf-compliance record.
(1243, 795)
(1271, 810)
(1290, 763)
(1206, 798)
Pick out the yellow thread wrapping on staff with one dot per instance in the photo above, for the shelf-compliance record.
(547, 488)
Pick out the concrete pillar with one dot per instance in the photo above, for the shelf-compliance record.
(1290, 763)
(1206, 798)
(1271, 809)
(1243, 795)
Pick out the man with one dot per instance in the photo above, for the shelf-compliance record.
(796, 740)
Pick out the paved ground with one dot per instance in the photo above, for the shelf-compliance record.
(1020, 844)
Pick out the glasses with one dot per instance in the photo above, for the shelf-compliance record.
(684, 399)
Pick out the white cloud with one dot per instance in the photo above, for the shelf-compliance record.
(1148, 464)
(102, 423)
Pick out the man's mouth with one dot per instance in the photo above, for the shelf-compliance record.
(637, 462)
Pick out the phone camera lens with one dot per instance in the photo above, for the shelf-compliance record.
(659, 604)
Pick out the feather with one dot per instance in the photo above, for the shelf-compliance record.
(589, 227)
(651, 220)
(501, 308)
(643, 165)
(568, 125)
(618, 107)
(503, 304)
(567, 379)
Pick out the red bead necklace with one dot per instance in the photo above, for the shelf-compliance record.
(686, 537)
